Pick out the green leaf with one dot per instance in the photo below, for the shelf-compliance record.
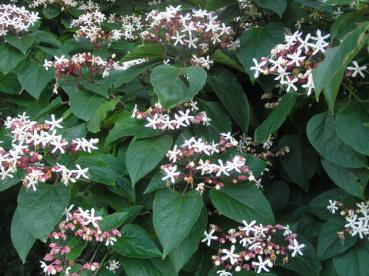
(100, 114)
(84, 104)
(174, 85)
(351, 120)
(9, 58)
(113, 221)
(223, 58)
(278, 6)
(189, 245)
(220, 119)
(352, 181)
(300, 163)
(328, 76)
(135, 243)
(33, 77)
(216, 4)
(22, 239)
(322, 135)
(10, 182)
(278, 194)
(152, 267)
(148, 50)
(318, 206)
(346, 23)
(22, 43)
(9, 84)
(275, 119)
(353, 261)
(232, 96)
(51, 11)
(155, 183)
(47, 38)
(174, 215)
(102, 90)
(126, 126)
(144, 154)
(103, 168)
(41, 210)
(76, 245)
(257, 42)
(329, 244)
(242, 202)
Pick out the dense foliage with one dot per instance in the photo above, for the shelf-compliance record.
(194, 137)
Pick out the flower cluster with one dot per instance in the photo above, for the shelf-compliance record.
(191, 163)
(64, 4)
(129, 27)
(86, 64)
(30, 141)
(90, 26)
(15, 20)
(158, 118)
(357, 218)
(355, 69)
(293, 61)
(252, 247)
(250, 14)
(193, 33)
(78, 223)
(264, 151)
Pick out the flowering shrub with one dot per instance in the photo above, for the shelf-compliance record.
(198, 137)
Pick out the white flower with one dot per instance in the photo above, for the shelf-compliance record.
(356, 69)
(258, 68)
(248, 227)
(54, 123)
(296, 248)
(332, 207)
(110, 241)
(224, 273)
(229, 254)
(261, 265)
(90, 218)
(171, 174)
(209, 237)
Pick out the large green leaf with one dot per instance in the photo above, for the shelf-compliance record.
(174, 215)
(328, 76)
(353, 181)
(275, 119)
(41, 210)
(9, 84)
(232, 96)
(174, 85)
(33, 77)
(103, 168)
(300, 163)
(22, 239)
(322, 135)
(22, 43)
(144, 154)
(148, 50)
(257, 42)
(329, 244)
(278, 6)
(351, 120)
(100, 114)
(242, 202)
(114, 220)
(135, 243)
(9, 58)
(353, 261)
(125, 126)
(152, 267)
(189, 245)
(83, 104)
